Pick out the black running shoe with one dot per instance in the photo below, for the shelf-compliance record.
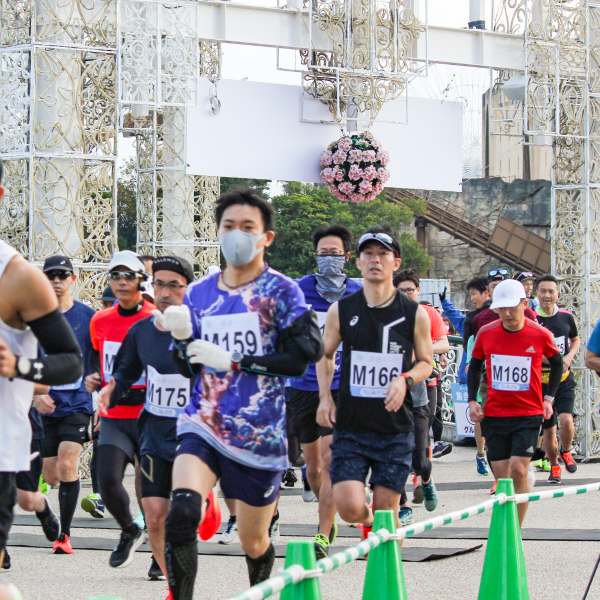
(6, 561)
(155, 572)
(122, 555)
(50, 523)
(289, 478)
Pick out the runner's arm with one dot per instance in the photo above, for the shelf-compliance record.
(128, 370)
(326, 367)
(474, 377)
(556, 371)
(441, 345)
(423, 348)
(456, 317)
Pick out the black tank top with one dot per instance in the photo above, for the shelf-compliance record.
(378, 345)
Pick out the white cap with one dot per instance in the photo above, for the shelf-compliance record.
(508, 294)
(126, 258)
(212, 270)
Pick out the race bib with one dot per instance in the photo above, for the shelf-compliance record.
(166, 395)
(67, 387)
(511, 373)
(235, 333)
(560, 344)
(372, 372)
(109, 353)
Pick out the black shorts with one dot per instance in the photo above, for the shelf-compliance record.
(564, 401)
(121, 433)
(8, 499)
(510, 436)
(157, 435)
(72, 428)
(256, 487)
(156, 476)
(304, 404)
(29, 481)
(389, 456)
(421, 420)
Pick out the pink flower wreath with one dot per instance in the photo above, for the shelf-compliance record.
(355, 167)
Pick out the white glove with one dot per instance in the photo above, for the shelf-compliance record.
(210, 355)
(177, 320)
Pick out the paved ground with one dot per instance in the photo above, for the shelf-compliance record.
(555, 570)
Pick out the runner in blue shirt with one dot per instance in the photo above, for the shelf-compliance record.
(241, 332)
(332, 250)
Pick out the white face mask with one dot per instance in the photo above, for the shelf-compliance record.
(239, 247)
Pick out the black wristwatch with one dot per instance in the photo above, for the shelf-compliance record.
(409, 380)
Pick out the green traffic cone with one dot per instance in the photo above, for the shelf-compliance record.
(385, 578)
(504, 576)
(302, 553)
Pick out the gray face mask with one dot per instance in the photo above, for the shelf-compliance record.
(331, 281)
(239, 247)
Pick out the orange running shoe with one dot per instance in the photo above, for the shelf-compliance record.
(169, 595)
(493, 490)
(212, 517)
(555, 472)
(570, 464)
(62, 545)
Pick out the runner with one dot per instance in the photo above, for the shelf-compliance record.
(118, 441)
(251, 328)
(66, 411)
(373, 417)
(527, 278)
(28, 314)
(512, 349)
(332, 250)
(564, 328)
(145, 352)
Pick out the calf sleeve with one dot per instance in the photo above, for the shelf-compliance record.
(259, 569)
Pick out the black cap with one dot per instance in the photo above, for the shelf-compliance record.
(58, 263)
(108, 295)
(175, 264)
(385, 239)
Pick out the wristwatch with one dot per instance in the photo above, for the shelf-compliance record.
(23, 365)
(236, 361)
(549, 398)
(409, 380)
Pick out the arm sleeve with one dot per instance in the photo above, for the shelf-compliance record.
(128, 369)
(467, 330)
(456, 317)
(474, 377)
(556, 372)
(63, 362)
(93, 361)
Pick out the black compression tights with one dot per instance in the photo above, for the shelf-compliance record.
(112, 462)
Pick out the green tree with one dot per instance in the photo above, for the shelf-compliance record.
(303, 207)
(126, 207)
(229, 184)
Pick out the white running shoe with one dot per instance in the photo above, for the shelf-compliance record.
(531, 475)
(230, 534)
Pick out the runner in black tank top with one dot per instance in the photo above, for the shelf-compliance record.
(382, 333)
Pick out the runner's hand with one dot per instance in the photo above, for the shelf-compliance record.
(475, 412)
(443, 361)
(92, 382)
(548, 409)
(8, 361)
(177, 320)
(96, 422)
(44, 404)
(395, 394)
(208, 354)
(326, 412)
(566, 364)
(104, 396)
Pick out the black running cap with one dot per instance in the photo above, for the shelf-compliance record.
(58, 263)
(175, 264)
(108, 295)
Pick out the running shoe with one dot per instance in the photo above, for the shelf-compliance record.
(539, 464)
(493, 490)
(365, 534)
(122, 555)
(274, 529)
(43, 486)
(555, 474)
(482, 465)
(432, 498)
(570, 464)
(6, 561)
(93, 504)
(212, 517)
(418, 494)
(307, 494)
(230, 533)
(333, 532)
(140, 521)
(406, 516)
(441, 449)
(322, 544)
(155, 572)
(289, 478)
(169, 595)
(50, 523)
(547, 466)
(62, 545)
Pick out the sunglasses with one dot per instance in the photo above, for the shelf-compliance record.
(62, 275)
(126, 275)
(498, 272)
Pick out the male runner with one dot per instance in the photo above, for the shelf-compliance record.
(28, 314)
(241, 331)
(67, 409)
(564, 328)
(373, 417)
(527, 278)
(332, 250)
(146, 352)
(512, 349)
(118, 441)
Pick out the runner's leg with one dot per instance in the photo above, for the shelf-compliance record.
(314, 465)
(68, 494)
(327, 509)
(156, 511)
(567, 430)
(112, 462)
(349, 498)
(8, 499)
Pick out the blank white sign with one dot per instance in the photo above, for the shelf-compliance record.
(259, 134)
